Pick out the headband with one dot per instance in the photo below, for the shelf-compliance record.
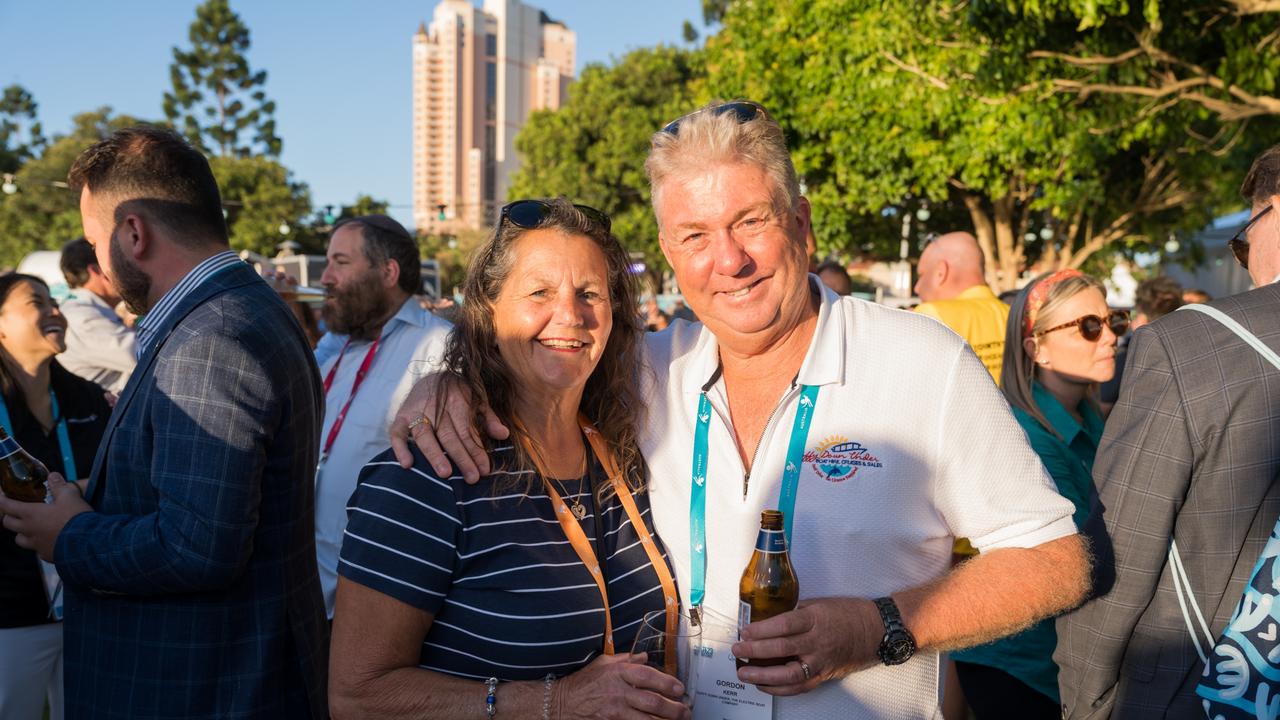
(1040, 293)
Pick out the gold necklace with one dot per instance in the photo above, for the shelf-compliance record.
(575, 506)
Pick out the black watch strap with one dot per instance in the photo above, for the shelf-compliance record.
(898, 644)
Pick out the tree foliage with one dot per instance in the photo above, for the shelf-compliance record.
(260, 196)
(216, 98)
(363, 205)
(21, 137)
(887, 105)
(592, 149)
(44, 214)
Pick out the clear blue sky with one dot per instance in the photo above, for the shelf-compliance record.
(339, 70)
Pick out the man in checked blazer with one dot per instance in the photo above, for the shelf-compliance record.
(1191, 454)
(190, 575)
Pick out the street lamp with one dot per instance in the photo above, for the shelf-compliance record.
(9, 187)
(284, 228)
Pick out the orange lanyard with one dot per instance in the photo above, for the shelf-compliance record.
(578, 539)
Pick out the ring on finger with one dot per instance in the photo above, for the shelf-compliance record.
(420, 420)
(808, 673)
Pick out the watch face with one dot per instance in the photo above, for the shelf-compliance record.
(897, 648)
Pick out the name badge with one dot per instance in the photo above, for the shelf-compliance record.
(718, 693)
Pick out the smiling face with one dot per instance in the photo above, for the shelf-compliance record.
(553, 316)
(31, 326)
(1066, 353)
(738, 253)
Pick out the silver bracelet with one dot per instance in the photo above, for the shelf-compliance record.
(491, 698)
(546, 696)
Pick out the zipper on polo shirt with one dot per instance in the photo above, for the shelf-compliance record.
(786, 397)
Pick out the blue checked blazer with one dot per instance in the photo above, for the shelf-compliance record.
(192, 591)
(1192, 452)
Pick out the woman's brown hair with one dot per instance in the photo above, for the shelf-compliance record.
(611, 397)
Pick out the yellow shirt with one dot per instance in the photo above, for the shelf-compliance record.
(979, 317)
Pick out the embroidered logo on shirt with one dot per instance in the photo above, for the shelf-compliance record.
(837, 459)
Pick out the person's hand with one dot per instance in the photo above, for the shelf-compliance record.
(451, 436)
(832, 636)
(37, 525)
(280, 281)
(619, 687)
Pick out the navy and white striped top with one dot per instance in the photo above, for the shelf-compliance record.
(509, 596)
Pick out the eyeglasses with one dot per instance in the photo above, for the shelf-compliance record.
(744, 111)
(1091, 325)
(1239, 243)
(533, 214)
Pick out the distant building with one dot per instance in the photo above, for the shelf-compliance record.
(477, 74)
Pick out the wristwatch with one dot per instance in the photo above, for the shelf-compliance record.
(898, 644)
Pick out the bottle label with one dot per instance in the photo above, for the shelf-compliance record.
(744, 615)
(771, 542)
(8, 446)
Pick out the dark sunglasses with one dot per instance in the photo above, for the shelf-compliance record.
(532, 214)
(1239, 243)
(743, 111)
(1091, 325)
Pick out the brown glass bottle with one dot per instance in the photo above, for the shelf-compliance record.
(769, 586)
(21, 476)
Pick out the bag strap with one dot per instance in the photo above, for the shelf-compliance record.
(1181, 583)
(1238, 329)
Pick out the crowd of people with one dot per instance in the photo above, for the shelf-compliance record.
(409, 517)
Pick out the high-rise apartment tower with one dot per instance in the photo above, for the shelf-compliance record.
(477, 74)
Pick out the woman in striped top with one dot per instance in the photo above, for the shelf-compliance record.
(510, 597)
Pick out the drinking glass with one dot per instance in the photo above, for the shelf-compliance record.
(653, 640)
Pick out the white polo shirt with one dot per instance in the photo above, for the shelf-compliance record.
(911, 446)
(411, 335)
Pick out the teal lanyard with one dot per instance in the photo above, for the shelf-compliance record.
(698, 488)
(64, 439)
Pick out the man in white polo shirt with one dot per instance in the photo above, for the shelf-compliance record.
(876, 431)
(385, 338)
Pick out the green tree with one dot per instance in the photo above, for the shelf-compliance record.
(888, 105)
(592, 149)
(216, 97)
(21, 137)
(261, 199)
(363, 205)
(43, 213)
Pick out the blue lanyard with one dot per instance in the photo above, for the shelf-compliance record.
(698, 488)
(64, 440)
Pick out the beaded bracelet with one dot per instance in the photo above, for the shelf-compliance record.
(546, 696)
(491, 700)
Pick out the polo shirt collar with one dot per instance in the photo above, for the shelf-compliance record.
(824, 362)
(1061, 420)
(978, 292)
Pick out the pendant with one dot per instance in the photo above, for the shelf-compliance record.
(579, 510)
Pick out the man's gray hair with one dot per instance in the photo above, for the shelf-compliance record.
(706, 137)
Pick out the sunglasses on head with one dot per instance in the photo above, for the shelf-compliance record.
(1091, 325)
(742, 110)
(533, 214)
(1239, 243)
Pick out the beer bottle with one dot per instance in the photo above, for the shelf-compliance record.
(21, 476)
(769, 586)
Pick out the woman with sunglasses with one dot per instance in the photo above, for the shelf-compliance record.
(519, 596)
(1059, 345)
(58, 418)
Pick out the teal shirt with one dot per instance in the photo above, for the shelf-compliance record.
(1028, 656)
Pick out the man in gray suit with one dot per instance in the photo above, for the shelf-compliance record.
(1186, 475)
